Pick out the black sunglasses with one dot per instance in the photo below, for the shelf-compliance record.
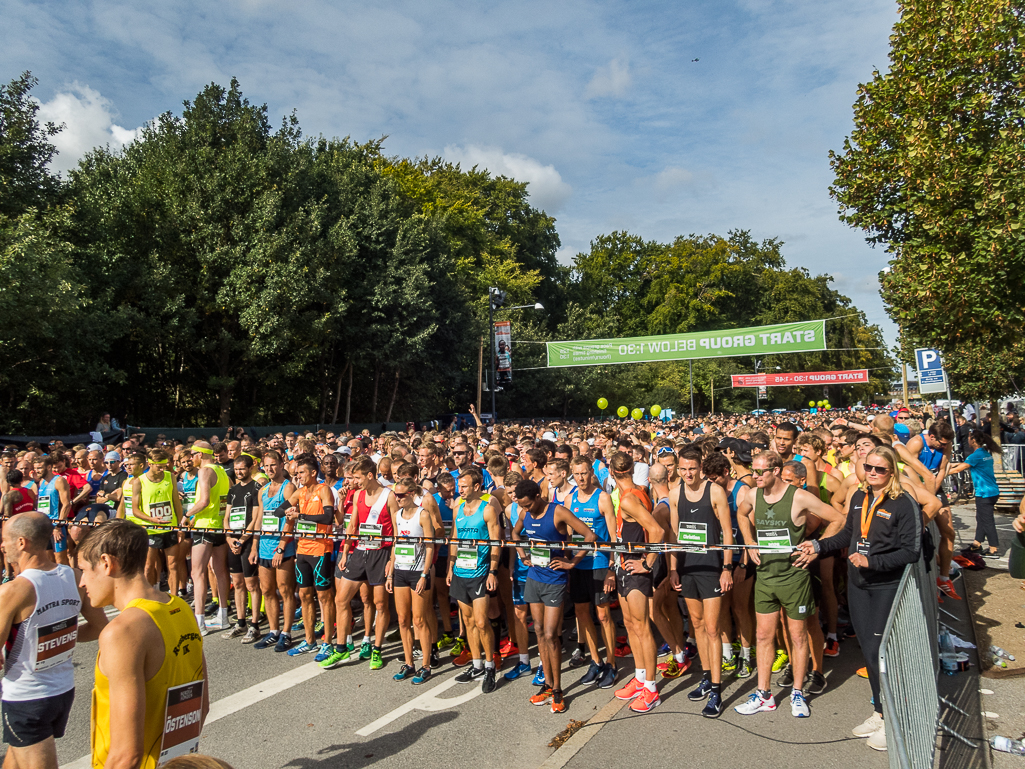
(877, 469)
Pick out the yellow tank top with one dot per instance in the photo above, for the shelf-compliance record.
(174, 696)
(126, 495)
(212, 516)
(156, 500)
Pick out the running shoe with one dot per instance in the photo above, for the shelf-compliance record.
(756, 703)
(284, 643)
(236, 631)
(781, 660)
(631, 690)
(435, 658)
(608, 679)
(744, 670)
(593, 673)
(445, 641)
(539, 677)
(463, 659)
(645, 701)
(318, 629)
(690, 650)
(577, 660)
(702, 690)
(507, 647)
(326, 650)
(558, 703)
(404, 672)
(799, 705)
(211, 609)
(878, 740)
(729, 665)
(520, 669)
(831, 648)
(542, 697)
(786, 678)
(946, 587)
(268, 640)
(339, 654)
(376, 662)
(417, 653)
(623, 650)
(252, 635)
(303, 648)
(714, 707)
(423, 675)
(458, 647)
(365, 649)
(470, 675)
(814, 683)
(673, 669)
(298, 625)
(871, 725)
(489, 684)
(663, 650)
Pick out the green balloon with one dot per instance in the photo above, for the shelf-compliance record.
(622, 411)
(656, 410)
(637, 413)
(603, 404)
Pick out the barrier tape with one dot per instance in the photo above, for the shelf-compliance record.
(595, 547)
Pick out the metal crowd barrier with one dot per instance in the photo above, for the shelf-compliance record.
(907, 678)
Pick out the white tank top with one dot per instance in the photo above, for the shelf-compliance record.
(39, 649)
(409, 556)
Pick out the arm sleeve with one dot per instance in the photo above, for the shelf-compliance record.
(842, 539)
(283, 508)
(328, 516)
(909, 534)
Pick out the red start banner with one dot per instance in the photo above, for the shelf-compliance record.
(858, 376)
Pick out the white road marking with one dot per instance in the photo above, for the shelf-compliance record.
(582, 736)
(243, 699)
(428, 701)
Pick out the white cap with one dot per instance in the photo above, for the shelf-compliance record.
(548, 435)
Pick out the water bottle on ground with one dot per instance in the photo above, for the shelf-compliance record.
(1007, 745)
(996, 651)
(946, 643)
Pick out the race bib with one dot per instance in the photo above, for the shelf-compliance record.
(270, 522)
(161, 512)
(540, 556)
(128, 505)
(370, 534)
(56, 643)
(182, 721)
(405, 557)
(305, 527)
(466, 558)
(237, 518)
(692, 533)
(44, 505)
(774, 539)
(190, 499)
(577, 538)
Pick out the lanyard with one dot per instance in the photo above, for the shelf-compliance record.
(868, 514)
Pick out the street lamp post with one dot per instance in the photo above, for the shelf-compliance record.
(496, 298)
(758, 364)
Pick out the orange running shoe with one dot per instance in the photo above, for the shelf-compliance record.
(647, 700)
(631, 690)
(673, 669)
(862, 673)
(947, 587)
(507, 647)
(558, 703)
(463, 659)
(541, 697)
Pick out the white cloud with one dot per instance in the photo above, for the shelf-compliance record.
(672, 177)
(88, 120)
(611, 80)
(547, 189)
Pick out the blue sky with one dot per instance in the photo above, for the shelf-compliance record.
(601, 106)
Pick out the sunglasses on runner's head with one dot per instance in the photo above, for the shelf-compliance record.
(877, 469)
(665, 450)
(512, 456)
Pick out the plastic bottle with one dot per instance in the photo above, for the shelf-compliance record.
(999, 662)
(996, 651)
(946, 644)
(1007, 745)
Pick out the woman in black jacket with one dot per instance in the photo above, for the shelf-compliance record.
(883, 535)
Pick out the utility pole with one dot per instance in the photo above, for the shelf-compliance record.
(711, 389)
(491, 346)
(691, 365)
(480, 373)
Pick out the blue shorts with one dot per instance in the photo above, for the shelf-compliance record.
(517, 592)
(62, 546)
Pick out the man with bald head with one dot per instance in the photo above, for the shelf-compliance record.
(207, 512)
(39, 627)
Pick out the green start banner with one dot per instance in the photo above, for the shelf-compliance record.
(807, 336)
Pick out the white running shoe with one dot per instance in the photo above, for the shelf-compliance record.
(756, 704)
(799, 705)
(871, 725)
(878, 740)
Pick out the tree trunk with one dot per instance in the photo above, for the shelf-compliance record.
(373, 400)
(338, 393)
(394, 394)
(225, 405)
(994, 429)
(348, 398)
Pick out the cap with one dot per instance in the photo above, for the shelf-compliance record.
(112, 456)
(344, 450)
(94, 447)
(548, 435)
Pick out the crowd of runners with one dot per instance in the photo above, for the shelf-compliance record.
(723, 539)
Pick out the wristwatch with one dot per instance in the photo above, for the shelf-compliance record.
(727, 567)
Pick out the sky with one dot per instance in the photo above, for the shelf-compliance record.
(663, 119)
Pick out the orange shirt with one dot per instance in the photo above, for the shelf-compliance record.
(310, 504)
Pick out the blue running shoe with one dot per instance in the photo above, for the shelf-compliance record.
(284, 643)
(303, 648)
(268, 640)
(539, 678)
(326, 650)
(520, 669)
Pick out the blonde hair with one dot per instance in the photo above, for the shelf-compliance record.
(196, 761)
(893, 489)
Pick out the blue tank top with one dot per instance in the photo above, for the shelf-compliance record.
(544, 529)
(471, 527)
(269, 540)
(519, 569)
(49, 498)
(731, 498)
(588, 512)
(930, 457)
(601, 472)
(188, 484)
(94, 484)
(446, 511)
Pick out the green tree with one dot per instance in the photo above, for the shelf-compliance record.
(932, 170)
(25, 150)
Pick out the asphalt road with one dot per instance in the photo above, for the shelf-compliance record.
(269, 710)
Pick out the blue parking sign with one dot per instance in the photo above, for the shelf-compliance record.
(931, 377)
